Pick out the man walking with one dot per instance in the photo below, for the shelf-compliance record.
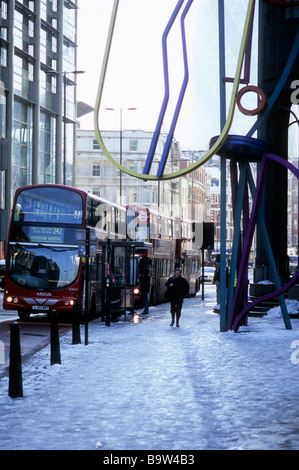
(178, 288)
(145, 284)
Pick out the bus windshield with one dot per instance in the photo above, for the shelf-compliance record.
(43, 267)
(43, 253)
(48, 205)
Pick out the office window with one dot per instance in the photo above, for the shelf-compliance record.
(96, 145)
(132, 195)
(133, 167)
(147, 196)
(96, 191)
(133, 145)
(96, 170)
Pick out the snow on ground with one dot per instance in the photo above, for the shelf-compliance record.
(292, 308)
(149, 386)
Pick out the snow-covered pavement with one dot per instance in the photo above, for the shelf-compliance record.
(150, 386)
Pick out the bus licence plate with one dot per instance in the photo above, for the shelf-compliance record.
(40, 307)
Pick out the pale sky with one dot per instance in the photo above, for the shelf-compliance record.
(135, 72)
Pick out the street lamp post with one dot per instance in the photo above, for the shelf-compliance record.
(120, 142)
(64, 74)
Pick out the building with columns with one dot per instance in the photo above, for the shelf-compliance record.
(186, 196)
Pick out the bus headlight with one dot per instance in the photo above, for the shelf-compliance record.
(136, 291)
(69, 302)
(10, 299)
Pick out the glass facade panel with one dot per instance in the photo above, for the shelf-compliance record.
(69, 52)
(70, 136)
(69, 16)
(4, 9)
(22, 75)
(2, 111)
(3, 58)
(47, 149)
(70, 98)
(43, 9)
(43, 46)
(47, 89)
(22, 145)
(18, 36)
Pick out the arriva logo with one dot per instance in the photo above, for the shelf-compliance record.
(295, 94)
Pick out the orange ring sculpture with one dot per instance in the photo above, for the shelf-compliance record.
(251, 112)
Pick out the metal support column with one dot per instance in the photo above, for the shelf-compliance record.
(223, 319)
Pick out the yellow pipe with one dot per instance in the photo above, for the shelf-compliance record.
(221, 139)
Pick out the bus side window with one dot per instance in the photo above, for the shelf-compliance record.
(89, 215)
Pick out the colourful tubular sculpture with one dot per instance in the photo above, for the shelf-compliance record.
(225, 131)
(235, 313)
(181, 96)
(155, 138)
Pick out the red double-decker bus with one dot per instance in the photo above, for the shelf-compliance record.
(172, 245)
(44, 269)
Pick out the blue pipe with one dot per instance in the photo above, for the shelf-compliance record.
(181, 95)
(155, 138)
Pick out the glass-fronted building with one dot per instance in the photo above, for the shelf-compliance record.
(37, 96)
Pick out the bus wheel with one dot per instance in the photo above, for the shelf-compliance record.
(24, 316)
(195, 290)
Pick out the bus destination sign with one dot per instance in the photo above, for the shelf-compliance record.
(42, 234)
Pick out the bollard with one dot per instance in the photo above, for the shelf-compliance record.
(15, 363)
(86, 328)
(76, 338)
(108, 300)
(55, 347)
